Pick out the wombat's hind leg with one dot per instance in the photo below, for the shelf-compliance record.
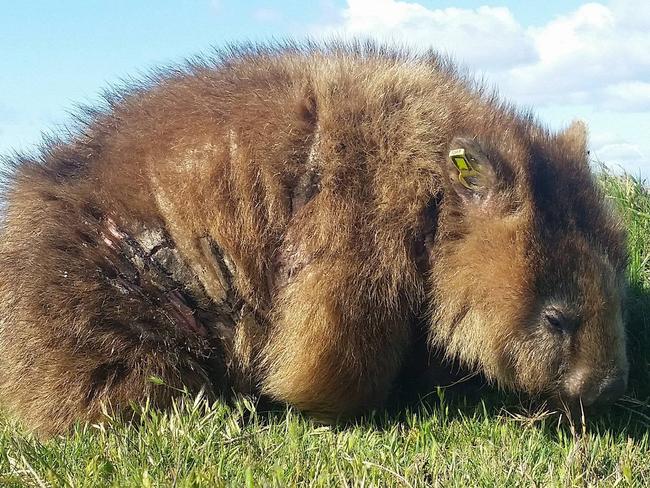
(89, 317)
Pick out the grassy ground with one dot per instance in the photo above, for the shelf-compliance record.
(448, 442)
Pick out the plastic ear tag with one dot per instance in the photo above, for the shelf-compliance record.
(463, 163)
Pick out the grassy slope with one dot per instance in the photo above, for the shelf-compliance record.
(448, 443)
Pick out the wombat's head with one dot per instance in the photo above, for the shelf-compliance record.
(529, 270)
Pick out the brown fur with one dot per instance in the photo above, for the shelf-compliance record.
(310, 220)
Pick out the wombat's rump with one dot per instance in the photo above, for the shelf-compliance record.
(288, 221)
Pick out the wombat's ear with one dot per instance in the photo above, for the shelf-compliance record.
(472, 173)
(575, 136)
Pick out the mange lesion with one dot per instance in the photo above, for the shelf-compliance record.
(147, 263)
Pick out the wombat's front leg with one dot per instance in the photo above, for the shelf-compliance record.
(333, 351)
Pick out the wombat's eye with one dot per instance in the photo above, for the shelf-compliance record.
(558, 321)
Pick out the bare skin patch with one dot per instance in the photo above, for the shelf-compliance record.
(148, 264)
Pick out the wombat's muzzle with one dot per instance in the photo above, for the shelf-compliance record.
(599, 392)
(608, 391)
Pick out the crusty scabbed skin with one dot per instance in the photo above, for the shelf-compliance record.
(312, 182)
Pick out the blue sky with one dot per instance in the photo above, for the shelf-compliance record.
(566, 59)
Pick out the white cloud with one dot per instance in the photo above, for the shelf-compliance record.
(481, 37)
(618, 152)
(597, 56)
(7, 114)
(264, 14)
(592, 55)
(626, 156)
(633, 96)
(216, 6)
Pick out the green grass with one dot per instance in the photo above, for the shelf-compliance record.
(452, 441)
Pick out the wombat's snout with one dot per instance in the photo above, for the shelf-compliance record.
(596, 391)
(611, 389)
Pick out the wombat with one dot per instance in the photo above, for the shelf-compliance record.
(297, 221)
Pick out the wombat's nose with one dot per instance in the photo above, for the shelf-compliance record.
(610, 389)
(590, 392)
(604, 392)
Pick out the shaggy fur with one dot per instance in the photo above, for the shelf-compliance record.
(286, 221)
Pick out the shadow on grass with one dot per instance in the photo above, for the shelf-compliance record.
(632, 413)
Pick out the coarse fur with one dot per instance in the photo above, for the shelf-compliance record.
(286, 221)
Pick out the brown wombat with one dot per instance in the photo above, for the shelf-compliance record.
(296, 222)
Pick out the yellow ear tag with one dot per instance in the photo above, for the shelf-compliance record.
(465, 169)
